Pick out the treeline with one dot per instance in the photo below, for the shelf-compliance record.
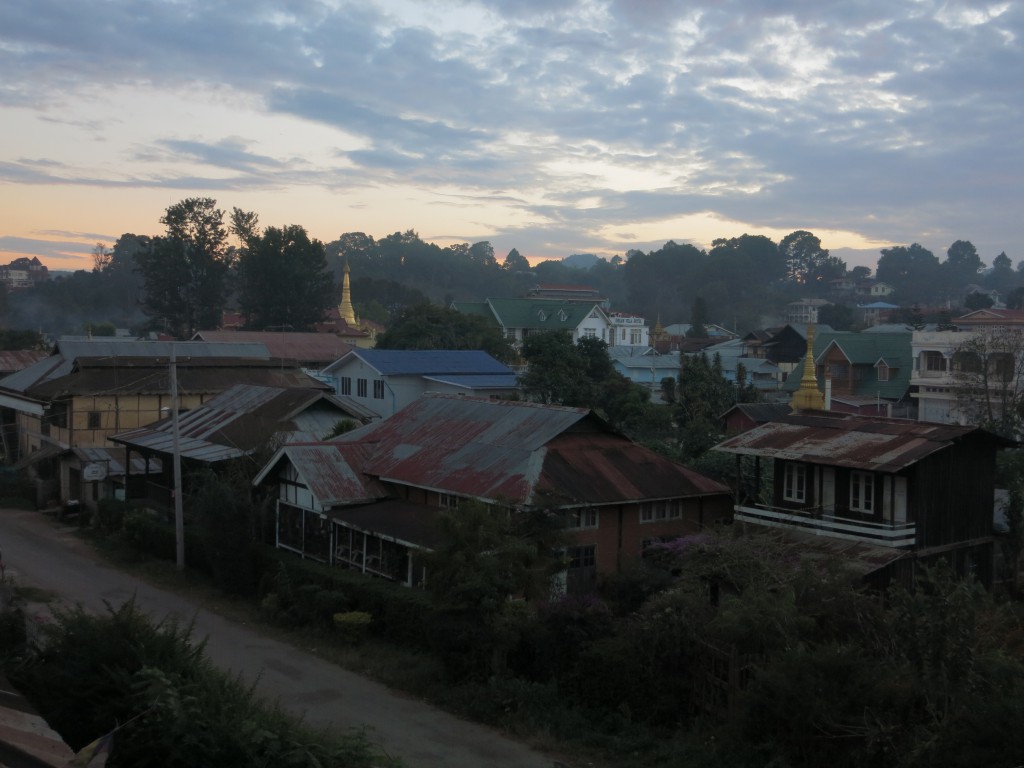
(208, 260)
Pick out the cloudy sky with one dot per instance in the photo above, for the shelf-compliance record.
(551, 126)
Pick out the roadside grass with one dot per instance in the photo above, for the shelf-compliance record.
(527, 711)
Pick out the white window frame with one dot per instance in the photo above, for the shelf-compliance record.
(862, 492)
(583, 518)
(794, 486)
(659, 511)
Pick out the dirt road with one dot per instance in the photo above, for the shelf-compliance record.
(41, 553)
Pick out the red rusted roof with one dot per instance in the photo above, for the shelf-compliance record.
(525, 453)
(321, 348)
(843, 440)
(331, 471)
(15, 359)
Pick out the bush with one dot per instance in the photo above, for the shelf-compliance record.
(110, 514)
(353, 626)
(170, 706)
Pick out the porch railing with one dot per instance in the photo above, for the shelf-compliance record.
(824, 522)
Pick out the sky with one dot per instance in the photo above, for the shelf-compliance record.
(549, 126)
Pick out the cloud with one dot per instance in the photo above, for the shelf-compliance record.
(574, 116)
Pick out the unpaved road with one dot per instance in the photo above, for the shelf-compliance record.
(39, 552)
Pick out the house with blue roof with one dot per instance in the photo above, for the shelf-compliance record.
(387, 380)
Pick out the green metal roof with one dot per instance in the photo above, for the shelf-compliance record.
(541, 314)
(866, 349)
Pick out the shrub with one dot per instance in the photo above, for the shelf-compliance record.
(353, 626)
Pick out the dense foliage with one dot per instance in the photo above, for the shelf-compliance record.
(169, 705)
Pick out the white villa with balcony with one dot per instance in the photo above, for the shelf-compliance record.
(947, 364)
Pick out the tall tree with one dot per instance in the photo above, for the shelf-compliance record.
(1001, 277)
(961, 268)
(185, 272)
(283, 280)
(428, 326)
(913, 271)
(807, 263)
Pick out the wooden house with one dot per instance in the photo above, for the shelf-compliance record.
(907, 491)
(366, 500)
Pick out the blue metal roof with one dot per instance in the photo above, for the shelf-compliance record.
(423, 362)
(484, 381)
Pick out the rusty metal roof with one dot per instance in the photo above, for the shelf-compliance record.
(331, 471)
(525, 453)
(318, 348)
(843, 440)
(237, 421)
(16, 359)
(127, 375)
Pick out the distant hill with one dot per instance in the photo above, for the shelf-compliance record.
(581, 260)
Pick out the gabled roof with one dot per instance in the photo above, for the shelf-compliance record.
(16, 359)
(502, 381)
(525, 453)
(427, 362)
(843, 440)
(992, 316)
(238, 421)
(542, 314)
(68, 352)
(305, 347)
(867, 349)
(331, 470)
(759, 413)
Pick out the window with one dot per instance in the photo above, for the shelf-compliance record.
(582, 557)
(883, 372)
(795, 484)
(583, 518)
(590, 333)
(634, 336)
(655, 511)
(448, 501)
(378, 390)
(361, 387)
(861, 491)
(93, 420)
(346, 385)
(933, 361)
(1001, 366)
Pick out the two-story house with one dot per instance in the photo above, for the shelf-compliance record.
(968, 373)
(520, 318)
(863, 373)
(367, 499)
(89, 389)
(387, 380)
(903, 492)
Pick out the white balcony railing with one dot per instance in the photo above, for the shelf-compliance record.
(825, 523)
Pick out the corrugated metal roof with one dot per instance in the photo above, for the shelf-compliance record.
(321, 348)
(523, 452)
(484, 381)
(16, 359)
(234, 422)
(331, 471)
(424, 362)
(114, 351)
(114, 459)
(883, 445)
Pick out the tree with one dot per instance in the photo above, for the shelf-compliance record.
(428, 326)
(556, 371)
(698, 318)
(1015, 299)
(913, 271)
(807, 263)
(1001, 276)
(961, 267)
(977, 300)
(516, 262)
(283, 280)
(101, 256)
(839, 317)
(989, 373)
(185, 272)
(702, 396)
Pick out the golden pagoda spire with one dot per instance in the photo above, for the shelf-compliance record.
(808, 397)
(345, 310)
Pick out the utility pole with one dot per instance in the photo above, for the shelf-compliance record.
(179, 514)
